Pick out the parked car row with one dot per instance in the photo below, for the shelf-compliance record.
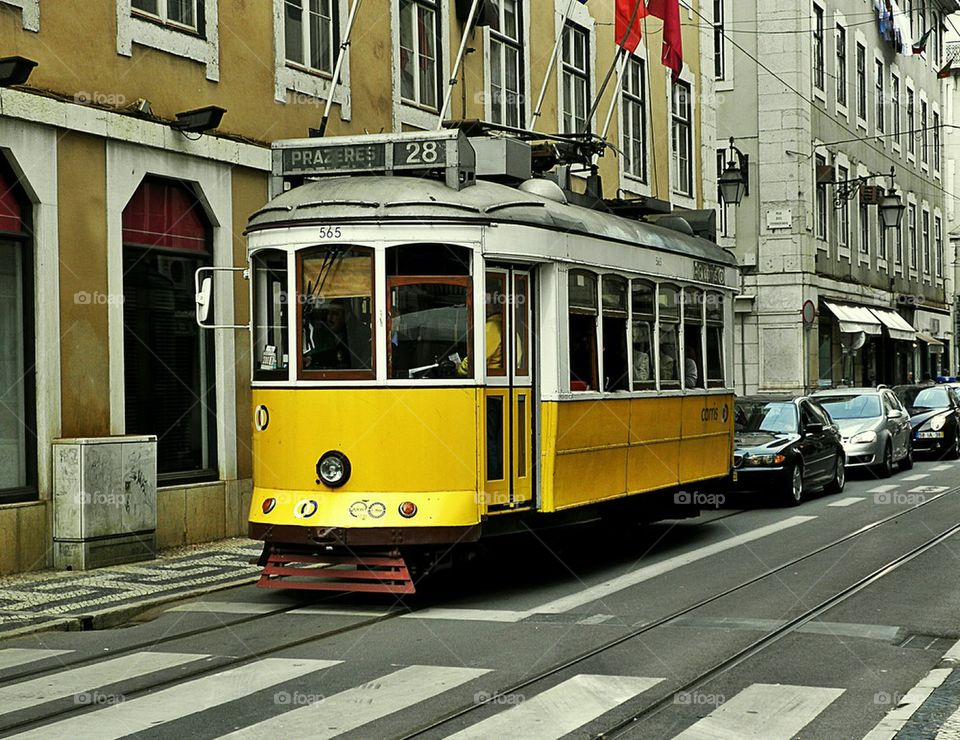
(792, 445)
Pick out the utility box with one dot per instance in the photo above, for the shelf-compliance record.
(104, 501)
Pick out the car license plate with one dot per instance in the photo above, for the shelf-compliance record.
(929, 435)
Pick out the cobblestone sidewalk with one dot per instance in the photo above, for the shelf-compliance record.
(110, 596)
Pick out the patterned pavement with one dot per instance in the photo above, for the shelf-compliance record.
(107, 596)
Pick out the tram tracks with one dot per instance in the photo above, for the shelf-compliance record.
(659, 704)
(770, 638)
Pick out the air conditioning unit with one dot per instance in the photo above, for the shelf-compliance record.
(104, 501)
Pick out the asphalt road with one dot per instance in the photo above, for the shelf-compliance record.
(754, 620)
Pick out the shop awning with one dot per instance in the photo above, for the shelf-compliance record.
(897, 326)
(854, 319)
(933, 341)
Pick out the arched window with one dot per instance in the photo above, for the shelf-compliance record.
(17, 406)
(168, 360)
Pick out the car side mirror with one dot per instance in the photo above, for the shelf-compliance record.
(894, 414)
(814, 427)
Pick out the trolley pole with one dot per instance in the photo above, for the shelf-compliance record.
(622, 60)
(338, 66)
(456, 67)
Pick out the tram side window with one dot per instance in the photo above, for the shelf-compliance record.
(582, 299)
(668, 301)
(430, 322)
(271, 354)
(644, 317)
(336, 310)
(693, 301)
(715, 340)
(614, 306)
(496, 311)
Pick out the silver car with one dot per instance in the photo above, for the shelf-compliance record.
(874, 426)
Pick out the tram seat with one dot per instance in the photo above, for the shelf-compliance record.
(578, 385)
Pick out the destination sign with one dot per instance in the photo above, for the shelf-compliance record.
(338, 157)
(707, 273)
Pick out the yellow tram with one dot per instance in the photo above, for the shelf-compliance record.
(445, 347)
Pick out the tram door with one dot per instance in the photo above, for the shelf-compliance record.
(508, 402)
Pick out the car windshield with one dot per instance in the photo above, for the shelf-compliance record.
(775, 417)
(929, 398)
(864, 406)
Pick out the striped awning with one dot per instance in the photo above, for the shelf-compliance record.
(853, 319)
(897, 326)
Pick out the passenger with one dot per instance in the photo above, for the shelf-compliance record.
(690, 372)
(493, 336)
(668, 369)
(327, 339)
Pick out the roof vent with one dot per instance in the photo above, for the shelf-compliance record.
(673, 222)
(545, 189)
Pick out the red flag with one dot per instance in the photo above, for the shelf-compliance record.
(669, 12)
(627, 34)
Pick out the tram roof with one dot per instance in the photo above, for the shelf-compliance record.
(384, 198)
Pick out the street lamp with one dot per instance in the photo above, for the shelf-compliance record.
(891, 206)
(15, 70)
(735, 181)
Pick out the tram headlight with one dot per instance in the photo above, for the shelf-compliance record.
(333, 469)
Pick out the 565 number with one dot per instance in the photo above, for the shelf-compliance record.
(330, 232)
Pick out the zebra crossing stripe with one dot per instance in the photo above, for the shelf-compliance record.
(361, 705)
(79, 680)
(12, 657)
(844, 502)
(770, 711)
(560, 710)
(146, 712)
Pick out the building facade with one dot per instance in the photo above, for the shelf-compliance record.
(819, 99)
(106, 211)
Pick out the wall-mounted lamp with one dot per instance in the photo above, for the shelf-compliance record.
(15, 70)
(199, 120)
(889, 203)
(735, 180)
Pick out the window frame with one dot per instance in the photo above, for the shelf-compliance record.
(499, 42)
(305, 38)
(719, 47)
(681, 132)
(144, 29)
(629, 102)
(162, 17)
(821, 201)
(861, 66)
(840, 40)
(879, 103)
(417, 101)
(569, 72)
(895, 110)
(938, 244)
(843, 219)
(297, 348)
(819, 73)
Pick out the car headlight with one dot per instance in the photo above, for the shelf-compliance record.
(937, 422)
(760, 460)
(864, 438)
(333, 469)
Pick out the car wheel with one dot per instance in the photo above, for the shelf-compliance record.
(907, 462)
(885, 470)
(839, 476)
(795, 491)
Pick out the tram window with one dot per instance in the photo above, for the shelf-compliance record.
(715, 340)
(430, 327)
(521, 309)
(336, 310)
(428, 259)
(614, 304)
(644, 318)
(669, 318)
(693, 338)
(496, 313)
(495, 438)
(271, 353)
(582, 299)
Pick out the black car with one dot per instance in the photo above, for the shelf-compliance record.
(934, 411)
(786, 445)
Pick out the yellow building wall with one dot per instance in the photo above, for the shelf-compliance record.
(84, 340)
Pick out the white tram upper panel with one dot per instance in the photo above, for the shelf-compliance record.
(566, 232)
